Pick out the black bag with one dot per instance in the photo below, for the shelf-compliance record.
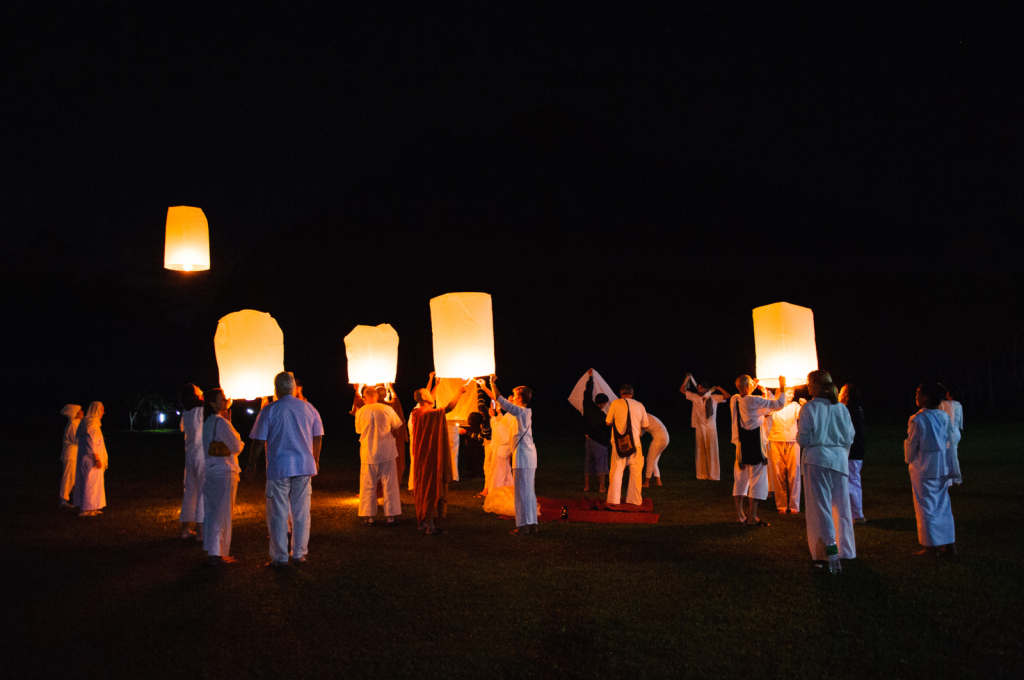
(750, 443)
(624, 444)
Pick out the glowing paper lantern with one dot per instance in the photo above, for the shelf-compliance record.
(372, 353)
(784, 343)
(463, 335)
(187, 244)
(250, 352)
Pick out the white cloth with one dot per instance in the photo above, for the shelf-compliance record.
(699, 417)
(926, 448)
(67, 479)
(219, 489)
(376, 424)
(520, 432)
(600, 387)
(501, 473)
(825, 434)
(933, 510)
(525, 496)
(784, 459)
(500, 500)
(385, 472)
(284, 495)
(827, 496)
(784, 423)
(708, 466)
(636, 470)
(638, 420)
(751, 481)
(412, 453)
(192, 503)
(488, 463)
(751, 411)
(955, 412)
(227, 434)
(659, 440)
(69, 444)
(91, 448)
(856, 491)
(453, 447)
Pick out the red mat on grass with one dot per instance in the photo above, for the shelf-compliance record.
(596, 511)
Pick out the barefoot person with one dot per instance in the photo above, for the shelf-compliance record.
(659, 440)
(705, 409)
(377, 425)
(92, 463)
(221, 446)
(431, 458)
(784, 458)
(825, 434)
(596, 434)
(750, 473)
(192, 508)
(927, 453)
(69, 452)
(524, 453)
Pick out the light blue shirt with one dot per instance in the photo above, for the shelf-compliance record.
(288, 426)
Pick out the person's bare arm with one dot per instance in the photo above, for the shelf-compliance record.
(494, 386)
(430, 383)
(258, 445)
(687, 381)
(317, 442)
(722, 392)
(455, 400)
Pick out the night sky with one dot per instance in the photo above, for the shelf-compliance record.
(628, 183)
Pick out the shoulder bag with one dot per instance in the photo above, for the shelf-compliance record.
(218, 449)
(624, 444)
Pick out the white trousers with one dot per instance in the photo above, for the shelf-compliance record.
(219, 501)
(957, 479)
(94, 490)
(933, 510)
(785, 467)
(751, 481)
(707, 453)
(525, 496)
(827, 496)
(488, 464)
(653, 454)
(453, 444)
(636, 471)
(856, 492)
(387, 474)
(288, 494)
(67, 480)
(501, 475)
(192, 509)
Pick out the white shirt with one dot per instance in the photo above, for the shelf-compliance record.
(192, 426)
(69, 449)
(637, 417)
(499, 434)
(375, 424)
(698, 419)
(752, 411)
(227, 434)
(657, 430)
(524, 453)
(90, 441)
(955, 412)
(825, 434)
(926, 449)
(784, 423)
(288, 426)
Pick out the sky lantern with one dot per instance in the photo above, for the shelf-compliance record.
(784, 343)
(250, 352)
(187, 243)
(372, 353)
(463, 335)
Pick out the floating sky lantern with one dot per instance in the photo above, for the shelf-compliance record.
(187, 243)
(372, 353)
(463, 335)
(250, 352)
(784, 343)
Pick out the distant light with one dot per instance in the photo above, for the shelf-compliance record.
(177, 413)
(249, 411)
(160, 416)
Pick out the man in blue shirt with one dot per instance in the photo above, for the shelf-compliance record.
(291, 431)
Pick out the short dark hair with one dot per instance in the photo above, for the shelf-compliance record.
(934, 391)
(601, 398)
(526, 394)
(626, 389)
(368, 387)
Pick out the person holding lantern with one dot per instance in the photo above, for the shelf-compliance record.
(596, 432)
(90, 491)
(221, 446)
(192, 508)
(431, 458)
(784, 458)
(377, 424)
(291, 432)
(627, 416)
(69, 452)
(384, 390)
(524, 453)
(705, 409)
(500, 498)
(928, 455)
(825, 433)
(750, 472)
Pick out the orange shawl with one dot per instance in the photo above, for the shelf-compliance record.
(432, 464)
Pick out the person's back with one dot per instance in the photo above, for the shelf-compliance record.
(926, 450)
(784, 423)
(825, 434)
(375, 424)
(288, 425)
(624, 408)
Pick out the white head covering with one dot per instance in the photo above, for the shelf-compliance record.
(94, 410)
(70, 410)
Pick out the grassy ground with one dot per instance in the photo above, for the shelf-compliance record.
(122, 596)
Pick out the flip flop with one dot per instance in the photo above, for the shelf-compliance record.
(759, 523)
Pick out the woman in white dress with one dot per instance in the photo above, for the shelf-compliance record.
(221, 476)
(69, 452)
(92, 463)
(192, 509)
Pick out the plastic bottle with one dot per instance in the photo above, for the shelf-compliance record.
(832, 550)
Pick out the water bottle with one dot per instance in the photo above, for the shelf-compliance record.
(832, 550)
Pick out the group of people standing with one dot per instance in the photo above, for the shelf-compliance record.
(84, 458)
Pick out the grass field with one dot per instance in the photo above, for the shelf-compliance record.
(692, 596)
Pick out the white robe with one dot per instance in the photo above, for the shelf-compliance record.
(825, 433)
(659, 440)
(69, 458)
(219, 485)
(705, 429)
(928, 456)
(91, 448)
(192, 508)
(956, 417)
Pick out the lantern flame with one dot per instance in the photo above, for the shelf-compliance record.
(784, 343)
(187, 241)
(463, 328)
